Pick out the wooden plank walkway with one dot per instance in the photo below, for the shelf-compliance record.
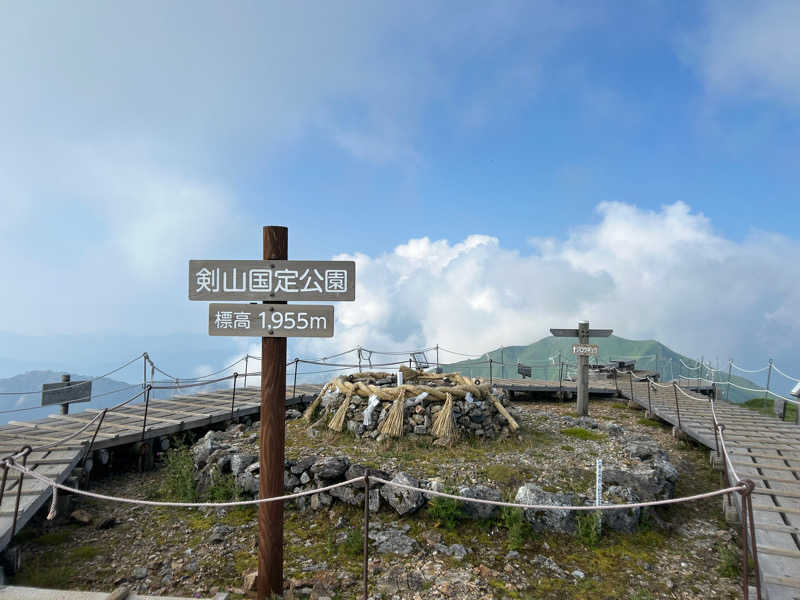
(597, 387)
(762, 449)
(56, 458)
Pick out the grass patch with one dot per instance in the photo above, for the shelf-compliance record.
(223, 489)
(619, 405)
(519, 530)
(446, 512)
(649, 422)
(587, 528)
(766, 406)
(53, 538)
(730, 565)
(84, 552)
(507, 475)
(583, 434)
(353, 544)
(178, 483)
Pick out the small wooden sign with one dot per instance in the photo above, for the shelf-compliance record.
(272, 280)
(66, 392)
(270, 320)
(584, 349)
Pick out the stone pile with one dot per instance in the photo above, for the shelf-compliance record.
(652, 477)
(476, 412)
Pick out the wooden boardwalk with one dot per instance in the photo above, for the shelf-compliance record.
(597, 387)
(762, 449)
(56, 459)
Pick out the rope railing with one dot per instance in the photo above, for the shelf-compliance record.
(729, 475)
(103, 376)
(744, 488)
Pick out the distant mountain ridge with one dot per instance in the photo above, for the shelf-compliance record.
(106, 391)
(544, 355)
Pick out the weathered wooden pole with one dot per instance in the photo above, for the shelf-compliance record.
(271, 450)
(583, 371)
(65, 379)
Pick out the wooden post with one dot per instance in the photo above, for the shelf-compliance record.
(273, 433)
(65, 407)
(700, 372)
(582, 407)
(490, 372)
(728, 387)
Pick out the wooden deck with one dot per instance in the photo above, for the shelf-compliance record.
(57, 459)
(762, 449)
(597, 387)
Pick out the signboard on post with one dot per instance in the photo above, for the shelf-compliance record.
(272, 280)
(66, 392)
(584, 349)
(271, 320)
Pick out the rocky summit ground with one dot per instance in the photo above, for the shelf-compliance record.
(684, 551)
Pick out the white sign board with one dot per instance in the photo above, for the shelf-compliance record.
(584, 349)
(270, 320)
(272, 280)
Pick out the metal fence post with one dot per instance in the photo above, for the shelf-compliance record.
(366, 535)
(649, 401)
(146, 406)
(677, 404)
(246, 358)
(490, 372)
(630, 375)
(233, 394)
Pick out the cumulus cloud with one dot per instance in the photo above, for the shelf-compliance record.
(649, 274)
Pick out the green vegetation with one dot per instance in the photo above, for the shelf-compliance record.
(54, 538)
(619, 405)
(583, 434)
(84, 552)
(730, 565)
(353, 544)
(223, 489)
(178, 483)
(587, 528)
(650, 422)
(519, 530)
(446, 512)
(766, 406)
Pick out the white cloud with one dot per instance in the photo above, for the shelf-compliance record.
(749, 49)
(664, 274)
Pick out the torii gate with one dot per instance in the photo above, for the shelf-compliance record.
(582, 349)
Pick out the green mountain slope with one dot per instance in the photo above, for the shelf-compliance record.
(544, 356)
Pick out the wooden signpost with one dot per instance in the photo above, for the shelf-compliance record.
(584, 350)
(66, 392)
(273, 280)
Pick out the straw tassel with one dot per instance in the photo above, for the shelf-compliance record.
(444, 426)
(393, 423)
(337, 422)
(309, 412)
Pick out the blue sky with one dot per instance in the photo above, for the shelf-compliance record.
(631, 163)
